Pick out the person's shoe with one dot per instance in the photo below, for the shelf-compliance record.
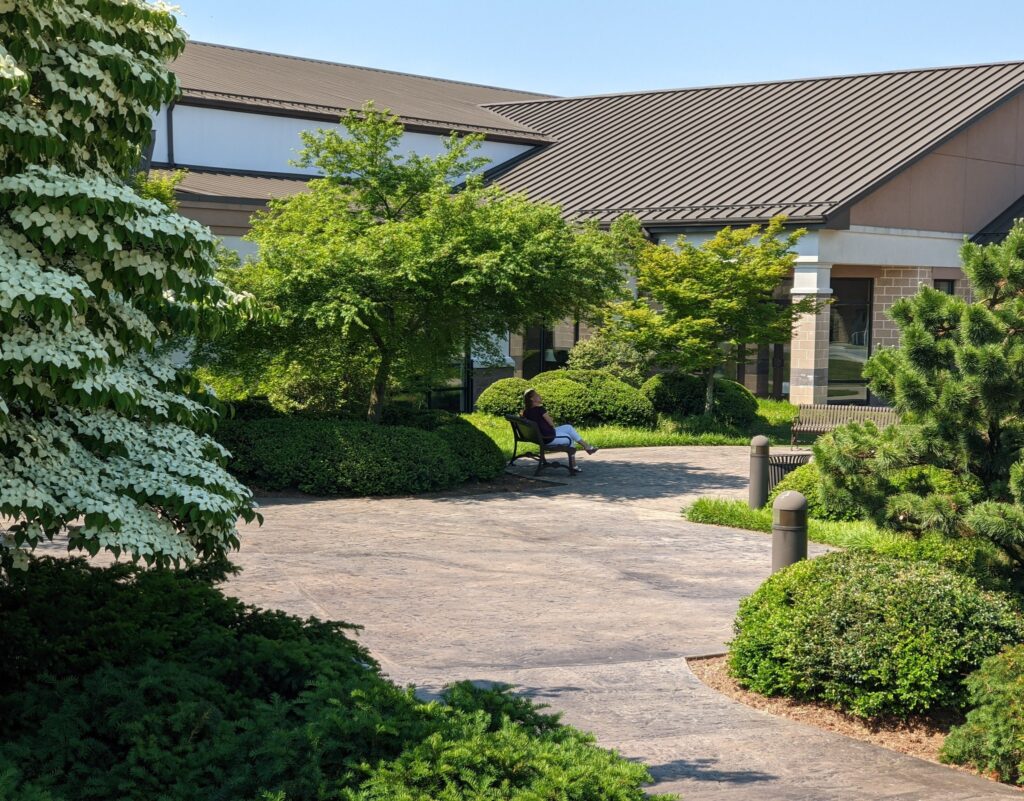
(591, 450)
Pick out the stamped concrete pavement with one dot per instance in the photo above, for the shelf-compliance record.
(587, 596)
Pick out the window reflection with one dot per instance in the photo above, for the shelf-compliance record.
(849, 340)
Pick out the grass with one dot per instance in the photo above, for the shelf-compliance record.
(774, 419)
(966, 554)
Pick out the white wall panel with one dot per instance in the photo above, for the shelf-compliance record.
(233, 140)
(160, 135)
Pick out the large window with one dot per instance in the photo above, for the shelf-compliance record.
(849, 340)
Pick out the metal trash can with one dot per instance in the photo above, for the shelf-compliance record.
(783, 463)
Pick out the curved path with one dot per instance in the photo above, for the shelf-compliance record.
(587, 596)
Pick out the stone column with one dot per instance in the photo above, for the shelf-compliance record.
(808, 355)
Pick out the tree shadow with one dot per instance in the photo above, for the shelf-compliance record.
(704, 770)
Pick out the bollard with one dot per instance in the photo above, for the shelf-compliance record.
(789, 530)
(758, 495)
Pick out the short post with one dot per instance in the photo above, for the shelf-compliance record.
(758, 495)
(789, 530)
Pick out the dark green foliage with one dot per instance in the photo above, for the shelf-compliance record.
(137, 685)
(992, 738)
(342, 457)
(957, 380)
(872, 635)
(579, 397)
(682, 394)
(504, 396)
(806, 480)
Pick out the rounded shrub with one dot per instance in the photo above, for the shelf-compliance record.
(821, 505)
(504, 396)
(338, 457)
(683, 394)
(991, 739)
(596, 398)
(869, 634)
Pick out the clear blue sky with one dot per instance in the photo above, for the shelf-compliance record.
(570, 47)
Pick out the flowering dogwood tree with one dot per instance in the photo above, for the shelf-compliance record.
(102, 438)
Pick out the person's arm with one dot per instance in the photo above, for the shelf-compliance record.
(550, 421)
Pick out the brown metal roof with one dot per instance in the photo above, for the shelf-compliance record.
(211, 74)
(805, 148)
(226, 187)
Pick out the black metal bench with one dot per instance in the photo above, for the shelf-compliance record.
(523, 431)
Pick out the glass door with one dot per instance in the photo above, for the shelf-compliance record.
(849, 339)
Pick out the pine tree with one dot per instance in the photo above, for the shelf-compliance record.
(101, 436)
(957, 379)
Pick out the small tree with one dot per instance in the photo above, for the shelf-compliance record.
(694, 299)
(957, 379)
(100, 435)
(383, 256)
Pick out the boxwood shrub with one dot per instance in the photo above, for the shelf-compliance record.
(143, 684)
(992, 737)
(580, 397)
(682, 394)
(341, 457)
(869, 634)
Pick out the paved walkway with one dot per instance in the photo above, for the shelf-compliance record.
(587, 596)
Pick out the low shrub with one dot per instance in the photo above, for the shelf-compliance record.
(504, 396)
(820, 505)
(872, 635)
(683, 394)
(339, 457)
(603, 399)
(580, 397)
(991, 739)
(140, 684)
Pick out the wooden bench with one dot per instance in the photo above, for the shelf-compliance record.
(820, 418)
(524, 430)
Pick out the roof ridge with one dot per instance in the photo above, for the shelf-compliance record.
(811, 79)
(367, 69)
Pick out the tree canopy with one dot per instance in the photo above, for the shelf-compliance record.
(101, 436)
(693, 299)
(395, 263)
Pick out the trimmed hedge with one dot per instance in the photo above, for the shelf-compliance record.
(683, 394)
(991, 739)
(580, 397)
(340, 457)
(150, 684)
(872, 635)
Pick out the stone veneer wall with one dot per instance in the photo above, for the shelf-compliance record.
(893, 284)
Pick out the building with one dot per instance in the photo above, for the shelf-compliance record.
(888, 171)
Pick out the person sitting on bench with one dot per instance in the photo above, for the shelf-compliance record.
(552, 434)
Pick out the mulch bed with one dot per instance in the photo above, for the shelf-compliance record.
(918, 736)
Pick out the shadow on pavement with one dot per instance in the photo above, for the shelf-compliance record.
(704, 770)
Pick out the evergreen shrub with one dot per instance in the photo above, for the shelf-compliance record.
(871, 635)
(324, 456)
(821, 505)
(152, 684)
(682, 394)
(992, 737)
(579, 397)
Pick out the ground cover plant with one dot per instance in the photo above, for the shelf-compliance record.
(872, 635)
(154, 684)
(102, 438)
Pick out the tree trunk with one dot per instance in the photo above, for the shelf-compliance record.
(709, 390)
(380, 386)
